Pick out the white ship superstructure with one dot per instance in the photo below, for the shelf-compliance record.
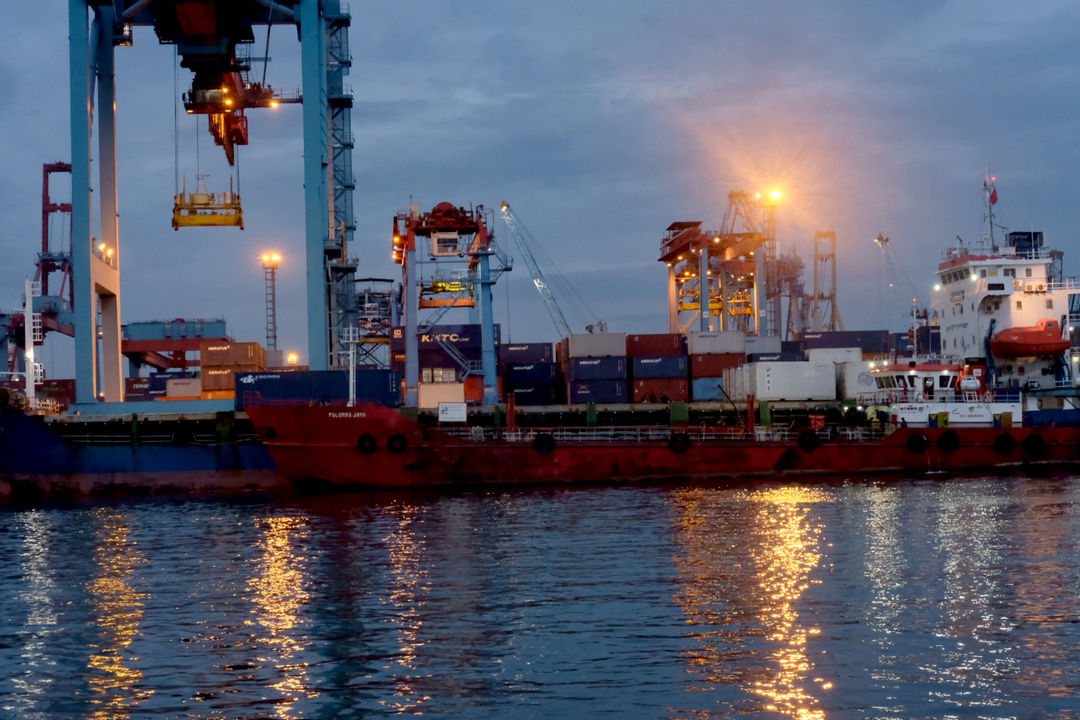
(1012, 284)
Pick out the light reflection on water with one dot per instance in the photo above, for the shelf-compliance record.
(117, 609)
(736, 593)
(904, 600)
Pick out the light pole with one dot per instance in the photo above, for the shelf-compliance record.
(270, 263)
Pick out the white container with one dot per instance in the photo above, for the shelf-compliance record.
(835, 355)
(855, 382)
(716, 343)
(183, 387)
(596, 345)
(762, 345)
(782, 381)
(431, 394)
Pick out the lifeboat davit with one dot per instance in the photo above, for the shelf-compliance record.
(1042, 340)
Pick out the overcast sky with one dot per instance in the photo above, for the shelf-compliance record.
(601, 123)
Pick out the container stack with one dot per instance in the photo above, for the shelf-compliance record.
(221, 361)
(712, 353)
(595, 368)
(153, 387)
(440, 374)
(659, 368)
(529, 371)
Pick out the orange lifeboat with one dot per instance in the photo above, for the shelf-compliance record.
(1042, 340)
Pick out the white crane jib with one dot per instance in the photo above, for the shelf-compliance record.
(524, 242)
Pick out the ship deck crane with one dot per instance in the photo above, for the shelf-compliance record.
(526, 242)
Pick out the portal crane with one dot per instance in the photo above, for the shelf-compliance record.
(525, 240)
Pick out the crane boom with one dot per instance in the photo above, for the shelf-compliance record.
(524, 241)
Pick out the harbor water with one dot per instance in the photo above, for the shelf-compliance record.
(929, 598)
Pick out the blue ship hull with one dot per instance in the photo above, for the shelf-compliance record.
(88, 455)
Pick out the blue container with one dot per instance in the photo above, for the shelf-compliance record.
(526, 353)
(536, 395)
(660, 366)
(708, 389)
(318, 386)
(597, 391)
(596, 368)
(871, 341)
(538, 373)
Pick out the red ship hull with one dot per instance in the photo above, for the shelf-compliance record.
(377, 447)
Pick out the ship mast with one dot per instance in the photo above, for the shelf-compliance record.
(991, 196)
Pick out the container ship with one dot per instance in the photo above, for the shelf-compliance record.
(983, 379)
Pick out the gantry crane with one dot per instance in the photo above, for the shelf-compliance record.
(458, 273)
(206, 34)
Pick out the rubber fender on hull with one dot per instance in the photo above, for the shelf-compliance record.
(917, 442)
(366, 443)
(1034, 445)
(948, 441)
(809, 440)
(544, 444)
(788, 460)
(397, 443)
(679, 442)
(1004, 444)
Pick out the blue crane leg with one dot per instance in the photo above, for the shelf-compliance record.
(316, 160)
(81, 110)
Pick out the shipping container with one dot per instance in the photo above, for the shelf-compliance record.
(580, 392)
(775, 357)
(779, 381)
(232, 354)
(431, 394)
(474, 389)
(854, 381)
(136, 388)
(875, 341)
(655, 344)
(526, 353)
(724, 342)
(592, 345)
(183, 387)
(661, 366)
(220, 378)
(834, 355)
(652, 390)
(707, 389)
(763, 344)
(596, 368)
(713, 366)
(537, 395)
(319, 387)
(219, 395)
(537, 373)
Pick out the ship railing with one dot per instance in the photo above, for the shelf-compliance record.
(631, 434)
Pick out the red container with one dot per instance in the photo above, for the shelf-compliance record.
(714, 365)
(657, 344)
(661, 390)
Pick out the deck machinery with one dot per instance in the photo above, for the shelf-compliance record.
(445, 257)
(207, 35)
